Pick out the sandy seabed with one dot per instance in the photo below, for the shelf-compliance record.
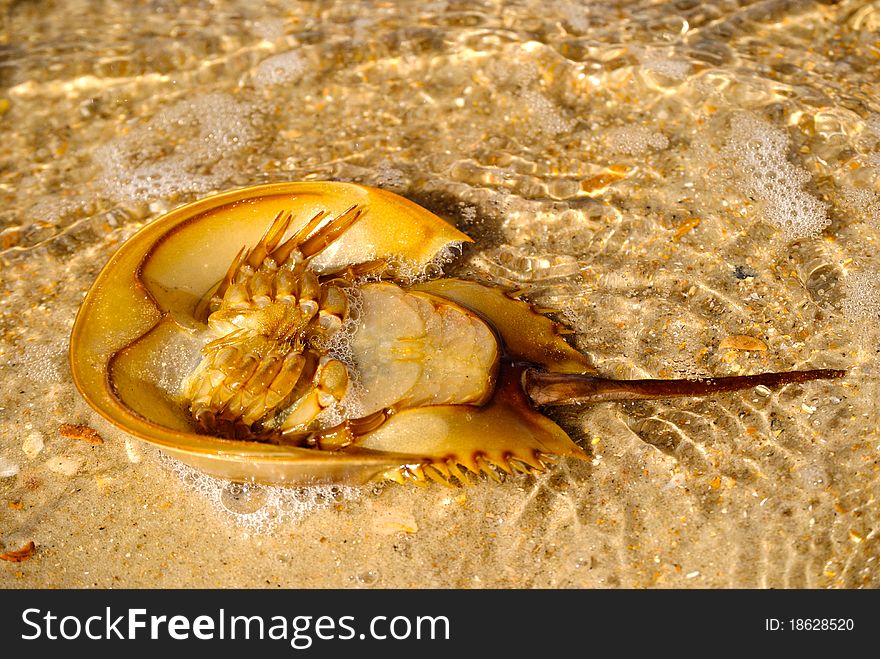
(668, 175)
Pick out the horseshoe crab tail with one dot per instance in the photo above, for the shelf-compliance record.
(567, 389)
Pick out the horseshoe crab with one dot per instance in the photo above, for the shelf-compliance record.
(272, 334)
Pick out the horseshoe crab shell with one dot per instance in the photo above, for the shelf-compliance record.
(141, 331)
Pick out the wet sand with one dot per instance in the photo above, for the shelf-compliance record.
(669, 176)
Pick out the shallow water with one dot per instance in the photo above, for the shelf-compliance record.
(666, 174)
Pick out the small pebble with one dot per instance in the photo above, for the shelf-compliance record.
(395, 521)
(63, 465)
(741, 272)
(33, 444)
(132, 450)
(8, 469)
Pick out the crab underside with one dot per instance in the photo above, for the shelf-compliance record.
(266, 335)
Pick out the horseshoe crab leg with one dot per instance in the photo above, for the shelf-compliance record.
(570, 389)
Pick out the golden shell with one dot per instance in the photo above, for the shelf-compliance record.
(138, 324)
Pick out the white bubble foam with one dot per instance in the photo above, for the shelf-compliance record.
(269, 28)
(282, 69)
(389, 177)
(339, 347)
(260, 509)
(42, 362)
(671, 68)
(864, 202)
(184, 148)
(469, 213)
(758, 151)
(635, 140)
(546, 117)
(53, 208)
(862, 296)
(663, 61)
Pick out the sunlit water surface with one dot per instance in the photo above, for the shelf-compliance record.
(666, 174)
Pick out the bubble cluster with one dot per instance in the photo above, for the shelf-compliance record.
(864, 202)
(269, 28)
(635, 140)
(242, 498)
(525, 100)
(339, 347)
(862, 298)
(544, 117)
(671, 68)
(758, 150)
(188, 147)
(469, 213)
(658, 62)
(169, 361)
(60, 207)
(434, 267)
(389, 177)
(281, 69)
(42, 362)
(260, 508)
